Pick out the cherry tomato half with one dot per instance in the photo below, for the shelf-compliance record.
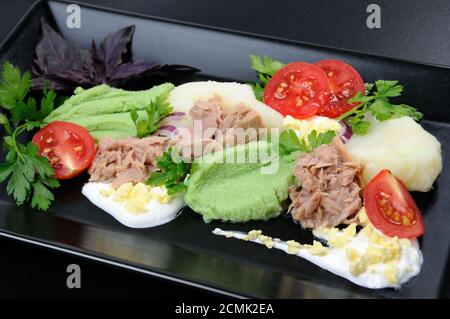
(390, 207)
(344, 82)
(68, 146)
(298, 89)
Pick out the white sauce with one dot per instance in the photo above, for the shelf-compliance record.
(156, 214)
(335, 260)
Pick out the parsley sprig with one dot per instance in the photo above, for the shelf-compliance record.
(289, 141)
(30, 175)
(266, 68)
(172, 172)
(158, 109)
(376, 101)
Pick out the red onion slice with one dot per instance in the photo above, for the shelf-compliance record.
(167, 130)
(176, 114)
(177, 119)
(346, 132)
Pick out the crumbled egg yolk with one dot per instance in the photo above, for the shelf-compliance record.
(350, 230)
(252, 235)
(357, 267)
(266, 240)
(362, 217)
(160, 195)
(136, 197)
(390, 273)
(229, 234)
(293, 247)
(352, 254)
(337, 238)
(382, 250)
(317, 249)
(304, 127)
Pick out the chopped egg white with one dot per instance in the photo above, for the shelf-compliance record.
(135, 206)
(368, 258)
(304, 127)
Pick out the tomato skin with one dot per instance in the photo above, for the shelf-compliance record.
(385, 198)
(69, 147)
(344, 83)
(299, 89)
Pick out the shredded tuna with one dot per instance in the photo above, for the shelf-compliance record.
(239, 127)
(327, 193)
(126, 160)
(209, 114)
(218, 129)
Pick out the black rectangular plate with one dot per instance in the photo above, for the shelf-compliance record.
(185, 250)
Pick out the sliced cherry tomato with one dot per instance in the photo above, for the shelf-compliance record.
(298, 89)
(68, 146)
(390, 207)
(344, 83)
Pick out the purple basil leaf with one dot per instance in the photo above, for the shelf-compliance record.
(81, 78)
(64, 65)
(96, 66)
(114, 47)
(54, 53)
(37, 84)
(136, 68)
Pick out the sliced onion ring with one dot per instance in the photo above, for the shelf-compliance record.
(176, 114)
(346, 132)
(167, 130)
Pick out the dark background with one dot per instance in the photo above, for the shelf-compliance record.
(410, 30)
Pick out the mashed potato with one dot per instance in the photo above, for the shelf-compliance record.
(402, 146)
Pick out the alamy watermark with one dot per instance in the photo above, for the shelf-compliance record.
(74, 279)
(373, 21)
(73, 20)
(196, 142)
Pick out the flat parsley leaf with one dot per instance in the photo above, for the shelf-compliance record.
(158, 109)
(265, 65)
(258, 90)
(13, 86)
(28, 111)
(376, 101)
(388, 88)
(30, 175)
(266, 68)
(173, 171)
(289, 141)
(42, 197)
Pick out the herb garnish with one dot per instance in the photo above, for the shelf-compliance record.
(172, 174)
(30, 175)
(289, 141)
(266, 68)
(66, 66)
(158, 109)
(376, 101)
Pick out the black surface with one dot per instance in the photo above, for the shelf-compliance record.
(319, 35)
(172, 249)
(41, 273)
(410, 29)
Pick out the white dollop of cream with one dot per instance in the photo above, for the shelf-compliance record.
(155, 214)
(335, 260)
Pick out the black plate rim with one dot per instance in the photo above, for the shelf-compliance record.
(116, 263)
